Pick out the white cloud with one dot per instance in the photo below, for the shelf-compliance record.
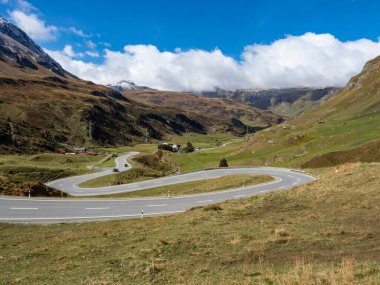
(314, 60)
(69, 51)
(90, 44)
(22, 5)
(92, 53)
(307, 60)
(105, 44)
(79, 32)
(33, 26)
(25, 6)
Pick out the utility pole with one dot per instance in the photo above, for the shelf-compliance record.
(12, 132)
(146, 135)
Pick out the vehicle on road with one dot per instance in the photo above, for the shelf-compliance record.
(115, 170)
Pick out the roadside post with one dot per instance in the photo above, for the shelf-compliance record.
(142, 214)
(29, 194)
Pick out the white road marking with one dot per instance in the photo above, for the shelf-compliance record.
(237, 196)
(81, 218)
(19, 208)
(99, 208)
(204, 201)
(158, 205)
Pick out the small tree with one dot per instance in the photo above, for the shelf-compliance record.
(223, 163)
(189, 147)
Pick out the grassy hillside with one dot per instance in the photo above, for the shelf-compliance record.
(322, 233)
(21, 173)
(40, 112)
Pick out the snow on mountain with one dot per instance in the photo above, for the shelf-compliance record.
(126, 85)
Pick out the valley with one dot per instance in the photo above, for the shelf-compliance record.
(186, 165)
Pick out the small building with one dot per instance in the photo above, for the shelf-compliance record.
(79, 150)
(91, 152)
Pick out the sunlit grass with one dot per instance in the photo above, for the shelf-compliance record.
(196, 187)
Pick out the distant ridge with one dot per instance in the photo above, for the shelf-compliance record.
(289, 102)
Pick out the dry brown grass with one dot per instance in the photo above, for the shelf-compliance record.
(331, 226)
(307, 273)
(369, 152)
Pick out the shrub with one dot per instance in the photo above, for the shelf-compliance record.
(212, 208)
(223, 163)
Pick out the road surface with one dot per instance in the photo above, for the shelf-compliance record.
(47, 210)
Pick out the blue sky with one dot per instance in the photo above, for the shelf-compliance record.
(206, 24)
(91, 27)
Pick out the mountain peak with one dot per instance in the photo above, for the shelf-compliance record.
(124, 85)
(19, 48)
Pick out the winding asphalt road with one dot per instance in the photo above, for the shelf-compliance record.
(45, 210)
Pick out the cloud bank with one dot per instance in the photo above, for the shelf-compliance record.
(309, 60)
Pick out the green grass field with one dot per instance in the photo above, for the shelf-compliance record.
(196, 187)
(211, 158)
(290, 147)
(143, 148)
(203, 141)
(322, 233)
(290, 150)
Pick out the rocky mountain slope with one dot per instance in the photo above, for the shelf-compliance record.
(285, 102)
(43, 106)
(18, 49)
